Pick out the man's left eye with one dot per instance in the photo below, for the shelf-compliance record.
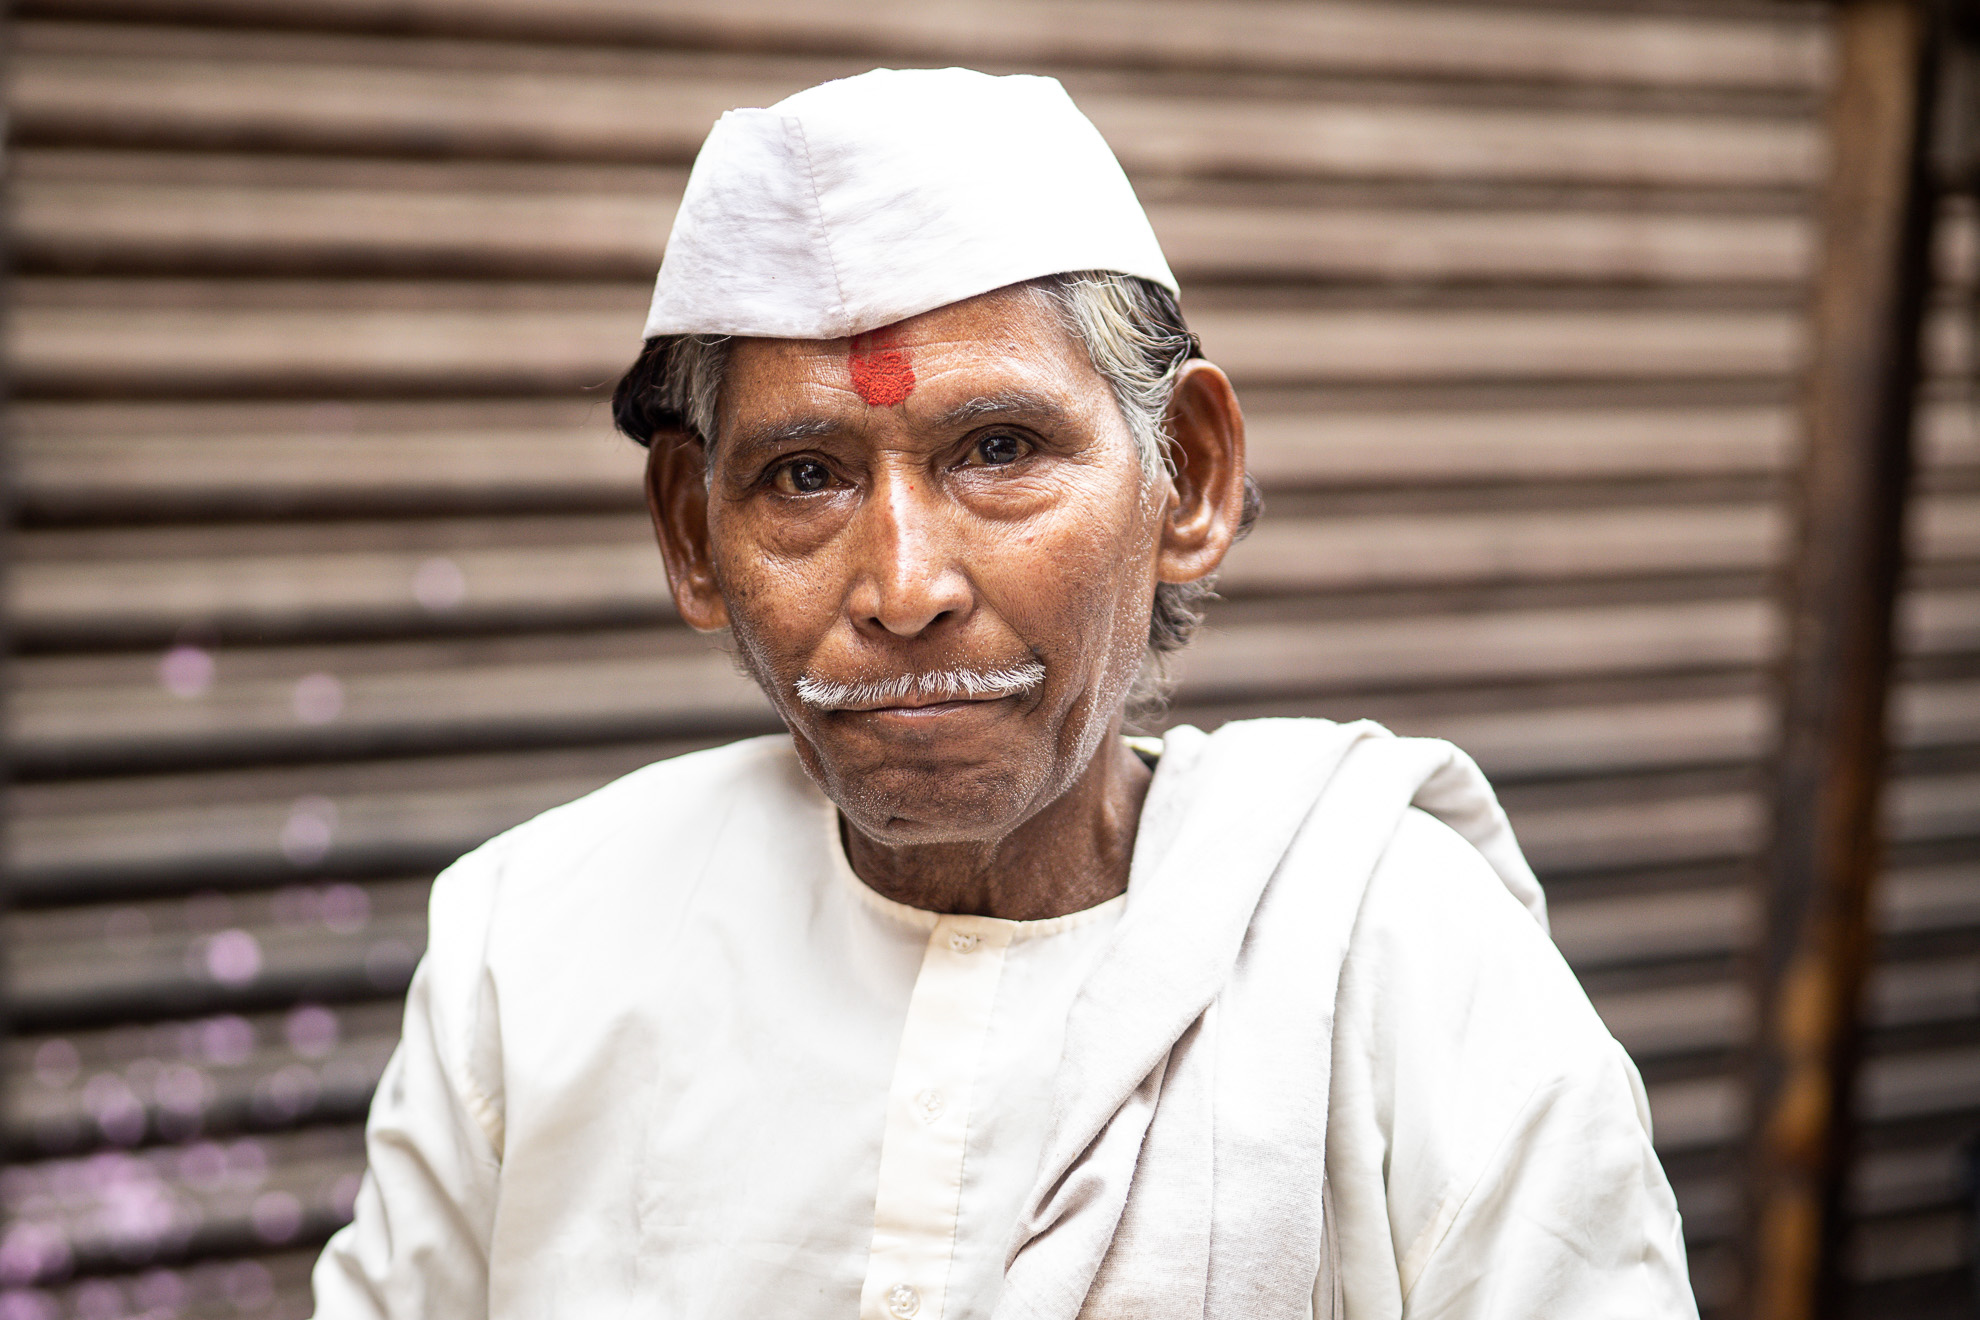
(803, 476)
(998, 450)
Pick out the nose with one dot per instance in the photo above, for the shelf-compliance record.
(909, 579)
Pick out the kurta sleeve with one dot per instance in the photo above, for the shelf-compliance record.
(417, 1247)
(1488, 1140)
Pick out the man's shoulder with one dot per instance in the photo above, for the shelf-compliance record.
(1443, 938)
(1430, 858)
(1434, 897)
(670, 794)
(660, 811)
(1481, 1112)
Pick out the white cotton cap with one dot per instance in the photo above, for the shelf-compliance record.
(861, 202)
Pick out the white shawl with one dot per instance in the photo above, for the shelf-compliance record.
(1184, 1174)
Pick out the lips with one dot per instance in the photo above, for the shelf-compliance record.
(924, 703)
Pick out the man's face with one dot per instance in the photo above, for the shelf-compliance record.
(957, 495)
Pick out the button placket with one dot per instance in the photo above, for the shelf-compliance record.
(921, 1155)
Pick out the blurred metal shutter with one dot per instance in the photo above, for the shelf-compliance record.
(328, 566)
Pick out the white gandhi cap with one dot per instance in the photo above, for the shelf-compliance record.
(861, 202)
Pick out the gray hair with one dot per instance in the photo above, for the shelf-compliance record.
(1138, 345)
(1134, 334)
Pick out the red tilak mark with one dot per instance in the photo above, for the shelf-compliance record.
(881, 372)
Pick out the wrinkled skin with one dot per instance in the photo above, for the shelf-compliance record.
(996, 514)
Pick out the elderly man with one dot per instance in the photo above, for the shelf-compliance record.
(955, 1002)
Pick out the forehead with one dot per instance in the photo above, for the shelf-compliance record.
(1007, 339)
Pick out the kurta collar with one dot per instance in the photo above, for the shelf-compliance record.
(925, 921)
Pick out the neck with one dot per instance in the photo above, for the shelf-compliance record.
(1069, 856)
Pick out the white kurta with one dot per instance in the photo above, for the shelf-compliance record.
(668, 1056)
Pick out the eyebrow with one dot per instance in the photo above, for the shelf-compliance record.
(776, 435)
(1021, 402)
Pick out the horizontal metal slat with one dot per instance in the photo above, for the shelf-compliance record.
(294, 837)
(1788, 52)
(189, 459)
(1709, 1017)
(179, 957)
(274, 1284)
(1695, 1115)
(532, 107)
(90, 833)
(174, 847)
(1459, 246)
(65, 942)
(263, 1192)
(1934, 807)
(1918, 899)
(409, 590)
(1898, 1250)
(137, 583)
(75, 225)
(1935, 715)
(176, 458)
(1647, 832)
(83, 962)
(180, 227)
(1259, 658)
(1628, 929)
(193, 460)
(1518, 740)
(279, 1189)
(670, 689)
(267, 579)
(1342, 552)
(290, 703)
(188, 695)
(210, 1077)
(60, 344)
(1939, 622)
(1914, 1085)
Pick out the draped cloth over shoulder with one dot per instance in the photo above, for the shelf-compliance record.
(1184, 1174)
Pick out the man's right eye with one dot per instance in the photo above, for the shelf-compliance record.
(803, 476)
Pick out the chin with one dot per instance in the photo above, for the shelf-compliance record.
(904, 802)
(969, 773)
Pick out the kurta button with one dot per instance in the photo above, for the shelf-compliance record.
(930, 1103)
(902, 1301)
(964, 942)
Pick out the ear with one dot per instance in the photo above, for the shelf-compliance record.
(1206, 430)
(677, 497)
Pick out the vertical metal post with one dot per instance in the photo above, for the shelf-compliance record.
(9, 515)
(1826, 846)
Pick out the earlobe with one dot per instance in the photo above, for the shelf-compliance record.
(677, 500)
(1206, 430)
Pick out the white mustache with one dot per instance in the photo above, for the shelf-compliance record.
(925, 689)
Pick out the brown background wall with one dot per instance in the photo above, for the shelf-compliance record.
(328, 567)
